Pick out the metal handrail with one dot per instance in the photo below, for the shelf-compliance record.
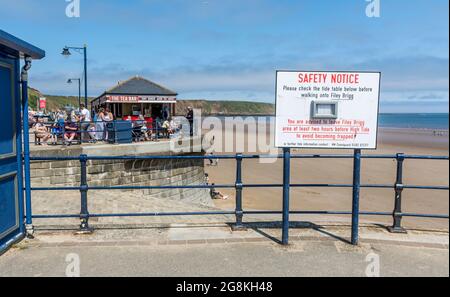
(239, 185)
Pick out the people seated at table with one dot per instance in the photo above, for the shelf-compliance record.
(140, 129)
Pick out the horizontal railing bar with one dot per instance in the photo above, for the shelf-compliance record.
(206, 157)
(426, 187)
(55, 216)
(148, 214)
(317, 212)
(55, 188)
(424, 157)
(424, 215)
(225, 186)
(160, 187)
(133, 187)
(196, 213)
(254, 212)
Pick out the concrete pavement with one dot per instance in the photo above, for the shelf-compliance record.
(213, 250)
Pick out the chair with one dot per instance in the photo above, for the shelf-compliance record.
(137, 134)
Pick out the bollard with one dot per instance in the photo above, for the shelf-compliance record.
(286, 189)
(355, 200)
(397, 213)
(84, 213)
(238, 226)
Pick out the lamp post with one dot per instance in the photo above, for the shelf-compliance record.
(66, 52)
(69, 81)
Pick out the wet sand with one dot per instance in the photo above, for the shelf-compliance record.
(374, 171)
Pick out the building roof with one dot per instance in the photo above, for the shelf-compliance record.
(139, 86)
(19, 48)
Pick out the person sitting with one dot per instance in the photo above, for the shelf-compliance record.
(71, 129)
(92, 133)
(216, 194)
(166, 128)
(173, 126)
(56, 131)
(137, 125)
(144, 128)
(41, 132)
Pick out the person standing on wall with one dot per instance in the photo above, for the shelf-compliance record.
(190, 118)
(85, 120)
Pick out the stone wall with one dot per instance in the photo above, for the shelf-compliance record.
(156, 172)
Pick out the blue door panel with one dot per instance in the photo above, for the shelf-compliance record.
(11, 204)
(7, 119)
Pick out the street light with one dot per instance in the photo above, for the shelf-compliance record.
(66, 53)
(69, 81)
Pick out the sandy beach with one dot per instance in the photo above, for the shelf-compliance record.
(416, 172)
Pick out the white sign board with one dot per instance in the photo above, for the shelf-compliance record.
(336, 110)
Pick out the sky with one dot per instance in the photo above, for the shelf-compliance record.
(230, 49)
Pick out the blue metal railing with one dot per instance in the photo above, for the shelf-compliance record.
(57, 131)
(397, 213)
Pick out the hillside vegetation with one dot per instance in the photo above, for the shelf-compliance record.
(53, 102)
(208, 107)
(226, 107)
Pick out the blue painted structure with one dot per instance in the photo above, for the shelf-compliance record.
(12, 227)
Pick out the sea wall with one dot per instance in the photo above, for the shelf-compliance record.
(152, 172)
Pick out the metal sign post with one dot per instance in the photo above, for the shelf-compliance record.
(286, 190)
(355, 198)
(326, 110)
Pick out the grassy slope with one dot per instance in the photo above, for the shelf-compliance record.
(207, 107)
(226, 107)
(53, 102)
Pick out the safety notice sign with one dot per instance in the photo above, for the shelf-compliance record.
(336, 110)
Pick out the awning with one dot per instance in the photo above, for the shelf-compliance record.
(134, 99)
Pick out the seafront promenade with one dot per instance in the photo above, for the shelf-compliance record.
(207, 246)
(210, 249)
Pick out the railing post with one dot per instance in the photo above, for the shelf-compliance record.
(286, 190)
(238, 226)
(397, 214)
(26, 156)
(355, 200)
(84, 213)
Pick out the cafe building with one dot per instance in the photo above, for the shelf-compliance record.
(137, 96)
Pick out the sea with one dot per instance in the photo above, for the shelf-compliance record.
(437, 121)
(432, 121)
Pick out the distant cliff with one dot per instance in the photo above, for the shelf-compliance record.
(208, 107)
(226, 107)
(54, 102)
